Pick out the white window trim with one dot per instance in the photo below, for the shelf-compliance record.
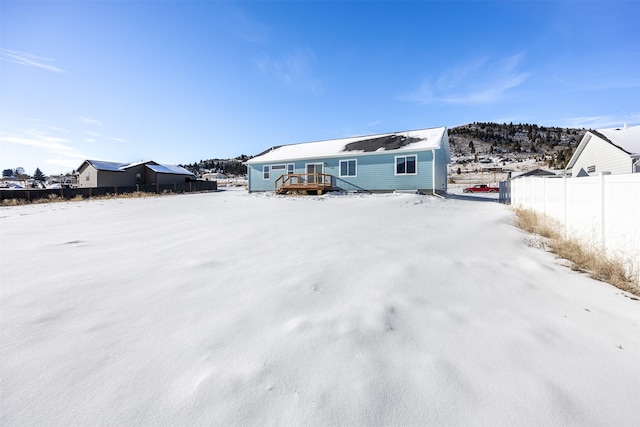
(266, 173)
(280, 166)
(340, 168)
(293, 168)
(395, 165)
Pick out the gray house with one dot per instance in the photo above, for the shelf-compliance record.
(94, 173)
(615, 150)
(412, 160)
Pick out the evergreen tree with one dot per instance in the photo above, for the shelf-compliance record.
(38, 175)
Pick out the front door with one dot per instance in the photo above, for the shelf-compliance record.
(314, 168)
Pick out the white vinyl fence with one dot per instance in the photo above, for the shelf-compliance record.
(602, 211)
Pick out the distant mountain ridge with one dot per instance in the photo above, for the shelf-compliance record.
(555, 145)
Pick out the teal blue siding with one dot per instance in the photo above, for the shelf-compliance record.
(375, 172)
(255, 176)
(442, 160)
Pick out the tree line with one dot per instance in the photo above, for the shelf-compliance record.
(19, 173)
(555, 144)
(226, 166)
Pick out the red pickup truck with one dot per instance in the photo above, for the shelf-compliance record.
(481, 188)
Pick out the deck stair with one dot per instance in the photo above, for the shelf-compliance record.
(303, 183)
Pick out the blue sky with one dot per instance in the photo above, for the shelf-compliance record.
(180, 81)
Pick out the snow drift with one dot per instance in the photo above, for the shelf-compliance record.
(248, 309)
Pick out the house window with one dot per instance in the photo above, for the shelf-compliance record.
(348, 167)
(266, 172)
(87, 176)
(138, 177)
(591, 169)
(291, 167)
(407, 165)
(278, 167)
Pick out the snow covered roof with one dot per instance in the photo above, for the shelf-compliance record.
(121, 167)
(534, 172)
(416, 140)
(177, 170)
(142, 162)
(626, 138)
(107, 166)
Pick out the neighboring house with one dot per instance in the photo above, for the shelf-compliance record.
(67, 181)
(534, 172)
(94, 173)
(615, 150)
(412, 160)
(214, 176)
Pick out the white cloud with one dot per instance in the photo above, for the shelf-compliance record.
(37, 141)
(478, 82)
(44, 142)
(29, 60)
(67, 163)
(58, 129)
(294, 70)
(89, 120)
(599, 122)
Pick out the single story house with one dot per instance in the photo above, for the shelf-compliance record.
(412, 160)
(94, 173)
(614, 150)
(214, 176)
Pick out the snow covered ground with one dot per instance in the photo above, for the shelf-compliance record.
(231, 308)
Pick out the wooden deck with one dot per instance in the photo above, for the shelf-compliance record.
(303, 183)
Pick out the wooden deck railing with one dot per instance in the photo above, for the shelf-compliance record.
(302, 182)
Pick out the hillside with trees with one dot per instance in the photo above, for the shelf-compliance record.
(514, 142)
(226, 166)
